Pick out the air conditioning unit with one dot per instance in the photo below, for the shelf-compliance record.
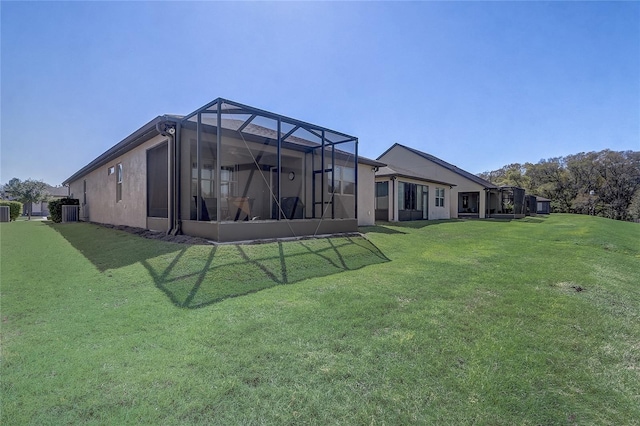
(70, 213)
(4, 214)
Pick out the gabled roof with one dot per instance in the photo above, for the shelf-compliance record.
(442, 163)
(539, 198)
(58, 191)
(400, 172)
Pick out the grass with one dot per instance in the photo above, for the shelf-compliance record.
(453, 322)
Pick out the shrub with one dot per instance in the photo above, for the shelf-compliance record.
(14, 208)
(55, 207)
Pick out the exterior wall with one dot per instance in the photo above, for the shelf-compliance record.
(434, 213)
(252, 230)
(159, 224)
(101, 205)
(40, 209)
(424, 168)
(37, 209)
(543, 207)
(366, 195)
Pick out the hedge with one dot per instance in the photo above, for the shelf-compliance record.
(14, 208)
(55, 207)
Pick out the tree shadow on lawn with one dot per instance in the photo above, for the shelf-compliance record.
(195, 276)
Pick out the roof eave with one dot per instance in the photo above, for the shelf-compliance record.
(138, 137)
(416, 178)
(370, 162)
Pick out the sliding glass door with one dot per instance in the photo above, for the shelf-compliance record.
(413, 201)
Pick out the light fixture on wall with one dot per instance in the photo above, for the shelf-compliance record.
(292, 175)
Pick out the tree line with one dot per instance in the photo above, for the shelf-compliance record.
(605, 183)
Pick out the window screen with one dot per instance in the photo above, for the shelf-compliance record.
(157, 181)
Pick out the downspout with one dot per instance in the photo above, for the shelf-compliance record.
(393, 202)
(167, 129)
(177, 228)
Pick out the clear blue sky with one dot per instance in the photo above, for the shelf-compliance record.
(478, 84)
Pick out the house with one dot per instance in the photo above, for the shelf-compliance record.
(403, 195)
(544, 205)
(230, 172)
(464, 194)
(42, 208)
(507, 202)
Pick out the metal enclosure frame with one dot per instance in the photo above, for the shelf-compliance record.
(326, 152)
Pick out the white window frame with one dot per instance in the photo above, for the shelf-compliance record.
(439, 197)
(339, 181)
(119, 179)
(229, 179)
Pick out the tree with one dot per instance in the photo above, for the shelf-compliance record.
(510, 175)
(634, 208)
(27, 192)
(551, 179)
(620, 179)
(597, 183)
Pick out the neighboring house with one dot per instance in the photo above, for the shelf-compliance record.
(507, 202)
(465, 194)
(42, 208)
(544, 205)
(404, 195)
(230, 172)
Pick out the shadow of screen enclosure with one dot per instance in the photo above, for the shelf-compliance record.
(194, 276)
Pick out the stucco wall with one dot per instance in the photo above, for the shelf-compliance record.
(366, 195)
(425, 168)
(101, 205)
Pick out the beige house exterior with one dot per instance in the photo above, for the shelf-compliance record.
(230, 172)
(402, 196)
(98, 193)
(468, 196)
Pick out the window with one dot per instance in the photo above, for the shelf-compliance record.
(207, 177)
(410, 196)
(439, 197)
(344, 181)
(119, 182)
(84, 192)
(111, 170)
(382, 195)
(413, 203)
(228, 181)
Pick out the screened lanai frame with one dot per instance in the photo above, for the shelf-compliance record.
(325, 159)
(506, 202)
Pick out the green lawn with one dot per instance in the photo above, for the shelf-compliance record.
(452, 322)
